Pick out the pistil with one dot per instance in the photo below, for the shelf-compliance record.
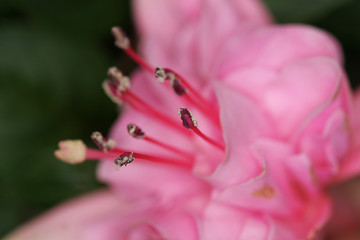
(75, 151)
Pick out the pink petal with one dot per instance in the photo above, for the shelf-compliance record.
(144, 221)
(166, 184)
(242, 124)
(185, 35)
(305, 225)
(317, 79)
(271, 191)
(326, 141)
(225, 222)
(164, 19)
(273, 47)
(178, 226)
(351, 165)
(303, 172)
(69, 220)
(280, 192)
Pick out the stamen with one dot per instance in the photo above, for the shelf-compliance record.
(121, 82)
(123, 42)
(110, 89)
(103, 143)
(190, 122)
(71, 151)
(137, 132)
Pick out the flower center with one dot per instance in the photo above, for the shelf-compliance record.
(118, 88)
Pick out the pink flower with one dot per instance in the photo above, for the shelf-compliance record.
(269, 113)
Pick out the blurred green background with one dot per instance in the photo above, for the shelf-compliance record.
(53, 58)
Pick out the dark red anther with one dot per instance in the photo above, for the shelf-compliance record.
(124, 159)
(178, 87)
(187, 118)
(135, 131)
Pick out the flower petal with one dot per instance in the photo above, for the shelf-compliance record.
(144, 221)
(166, 184)
(351, 165)
(242, 123)
(274, 47)
(164, 19)
(317, 79)
(225, 222)
(269, 192)
(185, 35)
(69, 220)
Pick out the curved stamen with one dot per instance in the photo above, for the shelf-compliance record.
(123, 42)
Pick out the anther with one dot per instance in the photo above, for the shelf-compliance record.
(135, 131)
(121, 40)
(71, 151)
(121, 82)
(178, 87)
(124, 159)
(187, 118)
(189, 122)
(103, 143)
(111, 91)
